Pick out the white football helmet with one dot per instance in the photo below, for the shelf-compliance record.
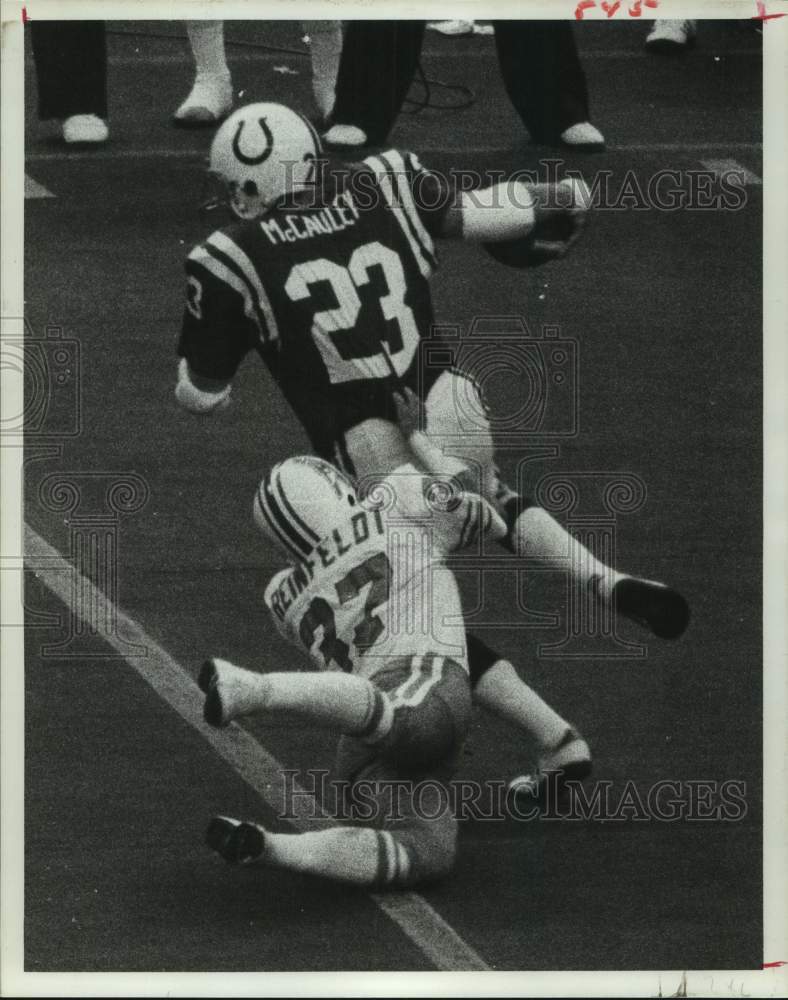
(262, 152)
(300, 501)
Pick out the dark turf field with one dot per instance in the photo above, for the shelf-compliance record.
(666, 309)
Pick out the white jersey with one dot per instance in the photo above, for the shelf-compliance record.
(377, 587)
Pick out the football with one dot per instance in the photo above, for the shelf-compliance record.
(549, 240)
(559, 223)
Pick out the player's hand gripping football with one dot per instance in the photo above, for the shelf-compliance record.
(410, 411)
(560, 212)
(560, 217)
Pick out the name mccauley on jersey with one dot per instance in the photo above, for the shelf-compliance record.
(340, 214)
(332, 293)
(377, 587)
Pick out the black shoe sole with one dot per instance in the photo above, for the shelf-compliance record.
(206, 676)
(661, 609)
(556, 781)
(206, 680)
(237, 844)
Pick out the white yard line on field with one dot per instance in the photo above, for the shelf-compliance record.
(35, 190)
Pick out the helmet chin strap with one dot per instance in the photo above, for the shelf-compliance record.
(263, 209)
(214, 197)
(246, 215)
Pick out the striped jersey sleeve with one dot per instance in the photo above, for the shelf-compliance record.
(456, 517)
(417, 198)
(227, 311)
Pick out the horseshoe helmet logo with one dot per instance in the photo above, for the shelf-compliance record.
(253, 161)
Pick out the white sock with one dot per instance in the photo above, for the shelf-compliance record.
(351, 704)
(347, 854)
(500, 690)
(539, 536)
(326, 49)
(207, 43)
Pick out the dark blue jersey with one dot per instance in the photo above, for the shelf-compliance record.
(332, 290)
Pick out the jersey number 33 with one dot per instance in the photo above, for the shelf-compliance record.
(367, 625)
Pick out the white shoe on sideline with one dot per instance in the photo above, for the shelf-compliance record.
(85, 129)
(451, 27)
(583, 135)
(345, 135)
(671, 36)
(209, 100)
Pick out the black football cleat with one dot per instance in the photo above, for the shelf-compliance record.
(237, 842)
(206, 676)
(653, 605)
(213, 709)
(569, 760)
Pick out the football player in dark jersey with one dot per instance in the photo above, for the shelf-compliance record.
(325, 274)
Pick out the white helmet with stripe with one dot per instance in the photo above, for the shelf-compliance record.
(262, 152)
(300, 502)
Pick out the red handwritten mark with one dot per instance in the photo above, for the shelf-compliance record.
(774, 965)
(611, 9)
(24, 15)
(762, 15)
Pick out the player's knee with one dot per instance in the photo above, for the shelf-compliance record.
(455, 403)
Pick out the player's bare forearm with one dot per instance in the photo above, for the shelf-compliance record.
(554, 213)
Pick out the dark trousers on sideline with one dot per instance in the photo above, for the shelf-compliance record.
(376, 69)
(539, 63)
(71, 68)
(542, 74)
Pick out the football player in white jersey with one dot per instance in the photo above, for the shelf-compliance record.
(369, 599)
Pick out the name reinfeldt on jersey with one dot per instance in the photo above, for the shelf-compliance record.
(663, 190)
